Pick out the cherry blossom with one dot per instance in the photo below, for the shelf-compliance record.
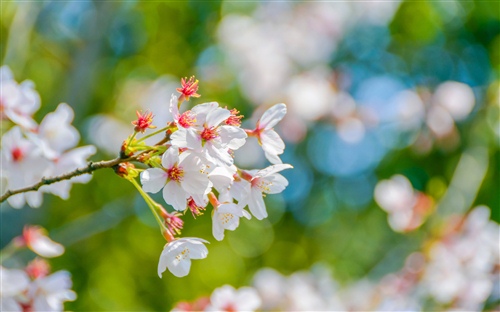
(226, 216)
(22, 165)
(13, 284)
(74, 158)
(266, 181)
(18, 102)
(55, 133)
(206, 136)
(48, 293)
(271, 142)
(180, 178)
(177, 255)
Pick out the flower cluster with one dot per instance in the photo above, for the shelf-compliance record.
(33, 288)
(457, 270)
(31, 151)
(192, 164)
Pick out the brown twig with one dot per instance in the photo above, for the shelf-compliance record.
(91, 166)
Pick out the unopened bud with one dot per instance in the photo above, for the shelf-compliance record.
(126, 170)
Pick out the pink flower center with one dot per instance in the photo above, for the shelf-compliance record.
(17, 154)
(209, 133)
(186, 120)
(175, 173)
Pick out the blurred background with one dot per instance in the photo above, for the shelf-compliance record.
(373, 89)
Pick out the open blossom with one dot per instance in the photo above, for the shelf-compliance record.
(226, 216)
(271, 142)
(177, 255)
(18, 102)
(257, 183)
(58, 138)
(206, 133)
(70, 160)
(13, 284)
(181, 177)
(22, 165)
(48, 293)
(36, 239)
(226, 298)
(55, 134)
(43, 293)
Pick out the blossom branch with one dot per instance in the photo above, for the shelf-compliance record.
(91, 166)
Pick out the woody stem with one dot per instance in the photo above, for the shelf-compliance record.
(91, 166)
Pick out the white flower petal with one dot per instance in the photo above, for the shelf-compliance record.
(16, 201)
(179, 138)
(221, 177)
(256, 204)
(173, 108)
(197, 250)
(240, 190)
(221, 155)
(273, 158)
(153, 180)
(34, 199)
(272, 116)
(195, 182)
(57, 131)
(12, 282)
(170, 158)
(162, 263)
(272, 142)
(217, 229)
(216, 116)
(272, 169)
(193, 140)
(232, 137)
(174, 195)
(46, 247)
(179, 268)
(277, 183)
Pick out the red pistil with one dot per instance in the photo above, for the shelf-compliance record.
(143, 121)
(194, 208)
(187, 119)
(175, 173)
(209, 133)
(189, 88)
(234, 119)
